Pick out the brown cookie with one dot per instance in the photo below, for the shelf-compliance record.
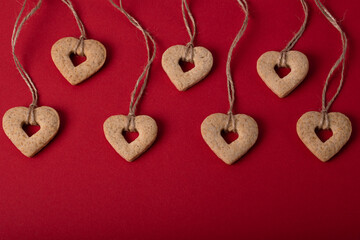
(340, 126)
(144, 125)
(14, 119)
(95, 54)
(297, 62)
(203, 62)
(246, 128)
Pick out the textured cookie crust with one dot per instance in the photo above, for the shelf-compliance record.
(144, 125)
(95, 54)
(340, 126)
(298, 64)
(246, 128)
(203, 62)
(46, 117)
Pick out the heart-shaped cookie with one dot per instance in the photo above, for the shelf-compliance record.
(95, 54)
(297, 62)
(340, 126)
(14, 119)
(246, 128)
(203, 62)
(144, 125)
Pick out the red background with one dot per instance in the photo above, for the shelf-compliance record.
(78, 187)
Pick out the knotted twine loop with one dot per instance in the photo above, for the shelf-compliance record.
(80, 43)
(230, 82)
(231, 124)
(135, 98)
(295, 39)
(81, 28)
(20, 68)
(325, 123)
(31, 115)
(189, 49)
(131, 123)
(190, 45)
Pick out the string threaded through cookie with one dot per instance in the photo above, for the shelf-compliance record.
(20, 68)
(190, 45)
(231, 124)
(295, 39)
(325, 123)
(80, 25)
(135, 98)
(230, 82)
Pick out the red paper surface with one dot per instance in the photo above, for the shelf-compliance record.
(78, 187)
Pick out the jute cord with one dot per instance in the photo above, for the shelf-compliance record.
(81, 28)
(23, 73)
(190, 45)
(325, 123)
(135, 98)
(295, 39)
(230, 82)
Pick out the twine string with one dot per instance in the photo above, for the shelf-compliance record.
(231, 124)
(295, 39)
(135, 98)
(325, 123)
(20, 68)
(190, 45)
(81, 28)
(230, 82)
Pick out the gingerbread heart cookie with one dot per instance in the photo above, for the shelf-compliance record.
(203, 62)
(144, 125)
(296, 61)
(340, 126)
(95, 54)
(14, 119)
(245, 127)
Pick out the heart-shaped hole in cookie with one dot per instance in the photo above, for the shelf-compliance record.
(77, 59)
(282, 71)
(130, 136)
(185, 65)
(229, 136)
(30, 129)
(323, 134)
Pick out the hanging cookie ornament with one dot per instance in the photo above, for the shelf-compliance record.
(199, 56)
(64, 48)
(114, 126)
(295, 60)
(15, 118)
(335, 121)
(244, 125)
